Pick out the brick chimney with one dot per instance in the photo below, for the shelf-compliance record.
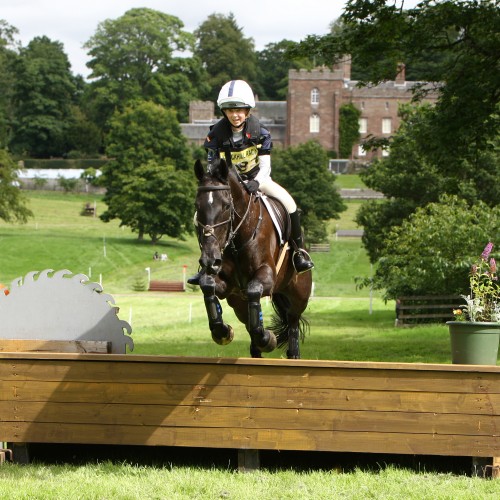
(401, 75)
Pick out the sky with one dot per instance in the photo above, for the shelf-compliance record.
(73, 22)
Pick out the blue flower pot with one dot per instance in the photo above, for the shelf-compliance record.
(474, 343)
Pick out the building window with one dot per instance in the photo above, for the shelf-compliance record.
(361, 150)
(315, 96)
(363, 125)
(386, 125)
(385, 152)
(386, 105)
(314, 123)
(362, 104)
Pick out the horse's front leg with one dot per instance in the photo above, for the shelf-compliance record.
(262, 340)
(222, 334)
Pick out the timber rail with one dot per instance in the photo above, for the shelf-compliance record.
(251, 405)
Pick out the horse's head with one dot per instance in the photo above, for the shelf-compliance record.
(214, 213)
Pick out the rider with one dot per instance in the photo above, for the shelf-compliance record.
(240, 135)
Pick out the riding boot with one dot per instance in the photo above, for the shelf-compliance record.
(301, 260)
(195, 279)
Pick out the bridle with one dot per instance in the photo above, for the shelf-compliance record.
(209, 230)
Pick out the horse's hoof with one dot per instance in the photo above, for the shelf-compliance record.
(271, 343)
(226, 336)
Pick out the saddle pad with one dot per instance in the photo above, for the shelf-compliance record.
(276, 216)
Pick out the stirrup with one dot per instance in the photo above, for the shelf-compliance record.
(305, 263)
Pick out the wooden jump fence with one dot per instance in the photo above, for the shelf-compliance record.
(250, 405)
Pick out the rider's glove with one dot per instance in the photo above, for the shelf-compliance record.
(252, 186)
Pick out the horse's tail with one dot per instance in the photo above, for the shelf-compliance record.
(279, 322)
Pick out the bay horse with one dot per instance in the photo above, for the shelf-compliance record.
(243, 259)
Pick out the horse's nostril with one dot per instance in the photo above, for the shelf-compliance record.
(217, 263)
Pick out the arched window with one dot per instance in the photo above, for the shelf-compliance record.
(315, 96)
(314, 123)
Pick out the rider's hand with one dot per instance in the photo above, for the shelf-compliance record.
(252, 186)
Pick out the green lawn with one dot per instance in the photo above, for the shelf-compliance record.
(345, 324)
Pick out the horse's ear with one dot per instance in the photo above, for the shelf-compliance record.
(198, 170)
(223, 169)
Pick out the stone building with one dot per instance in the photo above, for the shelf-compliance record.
(311, 111)
(315, 97)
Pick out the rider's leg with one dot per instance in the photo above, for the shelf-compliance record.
(301, 259)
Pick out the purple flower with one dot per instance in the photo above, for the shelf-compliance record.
(493, 265)
(487, 250)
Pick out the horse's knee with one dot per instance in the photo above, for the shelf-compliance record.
(254, 291)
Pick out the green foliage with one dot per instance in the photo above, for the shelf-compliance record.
(43, 90)
(225, 53)
(349, 116)
(68, 184)
(273, 66)
(12, 201)
(415, 174)
(462, 39)
(144, 190)
(156, 200)
(134, 57)
(431, 252)
(302, 170)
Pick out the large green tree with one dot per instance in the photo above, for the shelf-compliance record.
(226, 53)
(432, 251)
(42, 96)
(137, 56)
(273, 67)
(463, 36)
(8, 53)
(143, 139)
(303, 171)
(13, 204)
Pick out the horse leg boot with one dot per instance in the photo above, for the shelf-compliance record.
(301, 260)
(222, 334)
(262, 339)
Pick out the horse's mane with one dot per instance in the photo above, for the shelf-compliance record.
(219, 170)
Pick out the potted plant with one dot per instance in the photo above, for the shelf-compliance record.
(475, 333)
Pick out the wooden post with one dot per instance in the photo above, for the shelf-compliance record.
(248, 460)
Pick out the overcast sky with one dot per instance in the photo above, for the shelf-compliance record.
(73, 22)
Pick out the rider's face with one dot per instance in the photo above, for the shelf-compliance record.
(236, 117)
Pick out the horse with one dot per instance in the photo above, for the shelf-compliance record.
(244, 259)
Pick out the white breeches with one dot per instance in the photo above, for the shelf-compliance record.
(271, 188)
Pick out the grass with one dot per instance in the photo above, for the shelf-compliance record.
(345, 324)
(126, 481)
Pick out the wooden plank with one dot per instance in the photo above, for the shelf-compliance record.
(214, 373)
(252, 397)
(250, 418)
(265, 439)
(72, 346)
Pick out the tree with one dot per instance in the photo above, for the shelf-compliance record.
(225, 53)
(134, 57)
(273, 67)
(143, 139)
(463, 36)
(42, 96)
(412, 176)
(432, 251)
(157, 200)
(12, 201)
(303, 171)
(8, 47)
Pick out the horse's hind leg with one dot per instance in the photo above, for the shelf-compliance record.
(222, 334)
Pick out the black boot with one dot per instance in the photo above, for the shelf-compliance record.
(301, 260)
(195, 280)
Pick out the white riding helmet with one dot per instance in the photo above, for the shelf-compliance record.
(236, 94)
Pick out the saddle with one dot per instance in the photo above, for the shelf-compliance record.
(279, 216)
